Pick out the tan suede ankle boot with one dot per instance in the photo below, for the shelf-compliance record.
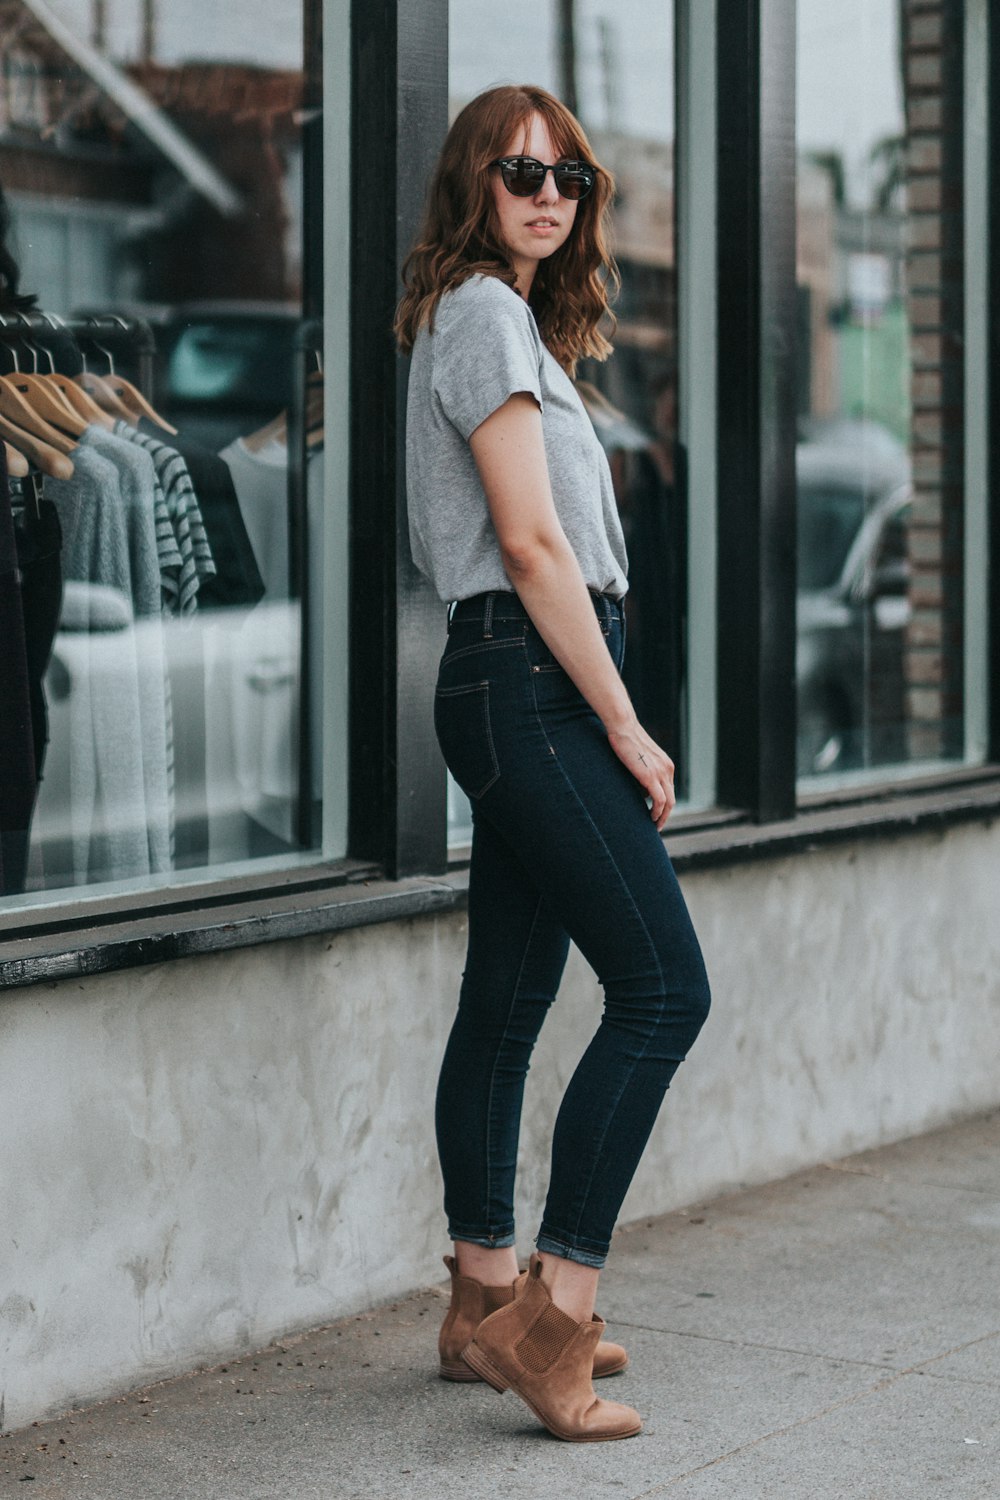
(536, 1350)
(471, 1302)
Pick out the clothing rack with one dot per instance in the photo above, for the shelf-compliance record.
(124, 337)
(132, 340)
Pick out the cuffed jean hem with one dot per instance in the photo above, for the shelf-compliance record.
(546, 1243)
(500, 1241)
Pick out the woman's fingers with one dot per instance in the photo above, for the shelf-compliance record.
(652, 768)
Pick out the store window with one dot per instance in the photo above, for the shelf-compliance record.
(162, 408)
(613, 64)
(882, 464)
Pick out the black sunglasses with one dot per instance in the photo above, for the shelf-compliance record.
(523, 176)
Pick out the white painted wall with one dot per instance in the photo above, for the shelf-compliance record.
(200, 1156)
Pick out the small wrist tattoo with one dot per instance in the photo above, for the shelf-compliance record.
(642, 757)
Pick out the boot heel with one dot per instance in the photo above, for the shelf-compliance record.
(482, 1366)
(458, 1371)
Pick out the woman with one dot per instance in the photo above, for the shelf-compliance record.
(512, 515)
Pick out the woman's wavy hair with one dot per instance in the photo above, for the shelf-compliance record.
(460, 236)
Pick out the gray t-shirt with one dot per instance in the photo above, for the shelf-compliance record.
(484, 348)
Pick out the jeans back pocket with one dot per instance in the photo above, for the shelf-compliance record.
(462, 725)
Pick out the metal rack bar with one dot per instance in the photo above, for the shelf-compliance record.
(123, 335)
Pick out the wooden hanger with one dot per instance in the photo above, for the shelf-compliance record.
(84, 405)
(43, 401)
(132, 398)
(43, 455)
(17, 464)
(128, 394)
(97, 388)
(19, 412)
(74, 395)
(49, 403)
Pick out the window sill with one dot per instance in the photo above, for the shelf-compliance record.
(333, 899)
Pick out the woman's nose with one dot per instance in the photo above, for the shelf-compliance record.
(547, 192)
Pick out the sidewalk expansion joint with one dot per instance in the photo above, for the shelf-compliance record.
(881, 1385)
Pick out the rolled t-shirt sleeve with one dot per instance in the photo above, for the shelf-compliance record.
(485, 351)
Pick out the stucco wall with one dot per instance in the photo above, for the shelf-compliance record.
(201, 1156)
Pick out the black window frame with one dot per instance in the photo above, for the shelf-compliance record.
(398, 864)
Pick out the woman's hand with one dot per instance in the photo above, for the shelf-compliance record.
(651, 767)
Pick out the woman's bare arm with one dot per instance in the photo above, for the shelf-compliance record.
(509, 451)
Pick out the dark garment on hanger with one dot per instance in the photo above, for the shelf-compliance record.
(237, 578)
(18, 781)
(39, 553)
(30, 596)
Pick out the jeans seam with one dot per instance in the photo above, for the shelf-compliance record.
(642, 924)
(481, 645)
(496, 1060)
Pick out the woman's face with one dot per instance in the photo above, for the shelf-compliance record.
(532, 228)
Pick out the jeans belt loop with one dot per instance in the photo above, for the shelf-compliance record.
(488, 618)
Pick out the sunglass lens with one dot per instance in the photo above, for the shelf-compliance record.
(522, 175)
(574, 180)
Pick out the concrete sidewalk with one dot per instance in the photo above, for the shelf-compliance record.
(834, 1335)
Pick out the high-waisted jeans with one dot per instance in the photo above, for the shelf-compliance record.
(563, 847)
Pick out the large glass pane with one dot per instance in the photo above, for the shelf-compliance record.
(613, 65)
(168, 534)
(881, 481)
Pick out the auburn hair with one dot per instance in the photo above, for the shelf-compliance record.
(460, 235)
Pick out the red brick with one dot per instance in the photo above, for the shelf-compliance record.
(923, 231)
(926, 592)
(923, 194)
(927, 429)
(923, 112)
(924, 546)
(925, 668)
(924, 742)
(927, 350)
(925, 628)
(926, 30)
(924, 310)
(926, 508)
(925, 388)
(924, 154)
(924, 271)
(923, 71)
(924, 703)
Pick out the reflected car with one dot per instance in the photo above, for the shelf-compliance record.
(221, 368)
(853, 607)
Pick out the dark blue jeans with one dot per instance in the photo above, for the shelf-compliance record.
(563, 847)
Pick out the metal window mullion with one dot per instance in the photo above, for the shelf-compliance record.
(976, 207)
(757, 407)
(399, 103)
(993, 396)
(337, 645)
(696, 211)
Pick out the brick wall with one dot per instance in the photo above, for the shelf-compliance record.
(931, 36)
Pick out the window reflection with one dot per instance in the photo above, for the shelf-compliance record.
(880, 459)
(160, 253)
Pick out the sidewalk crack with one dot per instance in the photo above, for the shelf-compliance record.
(845, 1401)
